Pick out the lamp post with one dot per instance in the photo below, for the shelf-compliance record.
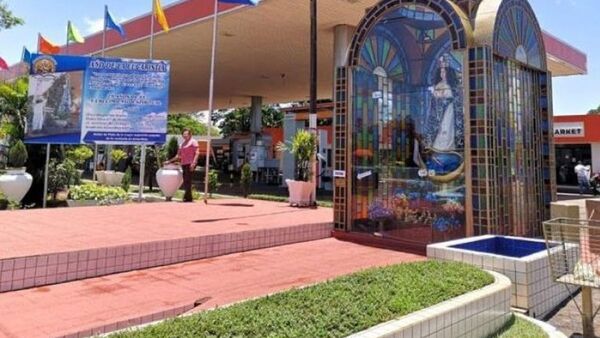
(312, 121)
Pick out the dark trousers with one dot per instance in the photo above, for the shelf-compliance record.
(187, 183)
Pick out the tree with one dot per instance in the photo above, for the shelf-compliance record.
(177, 122)
(595, 111)
(13, 109)
(238, 120)
(7, 19)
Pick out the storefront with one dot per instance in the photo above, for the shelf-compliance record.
(442, 123)
(576, 138)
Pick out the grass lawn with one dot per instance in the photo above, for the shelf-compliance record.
(336, 308)
(520, 328)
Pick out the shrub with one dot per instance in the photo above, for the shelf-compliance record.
(304, 148)
(336, 308)
(117, 155)
(246, 179)
(126, 181)
(80, 154)
(92, 192)
(213, 181)
(172, 148)
(58, 176)
(17, 155)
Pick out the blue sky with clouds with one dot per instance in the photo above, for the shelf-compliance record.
(574, 21)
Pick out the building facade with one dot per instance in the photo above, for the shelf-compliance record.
(443, 123)
(576, 138)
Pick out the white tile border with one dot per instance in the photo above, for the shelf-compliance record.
(532, 290)
(482, 311)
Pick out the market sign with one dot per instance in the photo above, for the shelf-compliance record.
(569, 129)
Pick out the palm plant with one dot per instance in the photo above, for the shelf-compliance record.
(304, 147)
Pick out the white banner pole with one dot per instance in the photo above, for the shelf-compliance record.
(211, 98)
(46, 175)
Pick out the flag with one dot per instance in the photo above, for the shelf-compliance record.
(73, 34)
(160, 16)
(3, 64)
(242, 2)
(110, 23)
(26, 55)
(47, 47)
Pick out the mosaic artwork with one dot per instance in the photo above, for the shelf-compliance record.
(439, 137)
(408, 130)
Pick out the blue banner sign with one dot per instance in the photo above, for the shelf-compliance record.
(76, 99)
(125, 101)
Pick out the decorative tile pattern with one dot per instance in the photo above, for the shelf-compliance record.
(25, 272)
(533, 288)
(507, 121)
(340, 132)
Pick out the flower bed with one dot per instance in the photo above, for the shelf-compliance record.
(92, 194)
(336, 308)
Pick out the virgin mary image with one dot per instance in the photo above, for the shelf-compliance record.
(443, 142)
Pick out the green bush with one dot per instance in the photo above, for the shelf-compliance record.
(172, 148)
(337, 308)
(246, 179)
(304, 148)
(92, 192)
(126, 181)
(80, 154)
(17, 155)
(213, 181)
(59, 175)
(117, 155)
(520, 328)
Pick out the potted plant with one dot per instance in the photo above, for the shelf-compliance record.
(113, 178)
(79, 155)
(58, 176)
(304, 147)
(246, 179)
(15, 183)
(170, 176)
(213, 182)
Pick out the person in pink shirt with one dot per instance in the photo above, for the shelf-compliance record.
(188, 156)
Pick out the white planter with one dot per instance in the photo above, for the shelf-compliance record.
(300, 192)
(169, 179)
(113, 178)
(100, 177)
(15, 183)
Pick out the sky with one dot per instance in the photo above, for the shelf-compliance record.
(573, 21)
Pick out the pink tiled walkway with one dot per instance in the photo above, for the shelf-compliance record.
(103, 304)
(55, 246)
(34, 232)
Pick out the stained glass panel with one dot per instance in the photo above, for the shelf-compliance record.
(408, 130)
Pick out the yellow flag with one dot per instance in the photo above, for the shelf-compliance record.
(160, 16)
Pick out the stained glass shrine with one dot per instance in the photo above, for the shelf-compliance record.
(442, 120)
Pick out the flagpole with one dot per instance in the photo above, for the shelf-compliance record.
(47, 164)
(143, 152)
(94, 178)
(68, 26)
(104, 31)
(211, 92)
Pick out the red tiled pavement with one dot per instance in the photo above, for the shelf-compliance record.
(101, 303)
(35, 232)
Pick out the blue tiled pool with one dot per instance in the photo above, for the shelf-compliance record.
(504, 246)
